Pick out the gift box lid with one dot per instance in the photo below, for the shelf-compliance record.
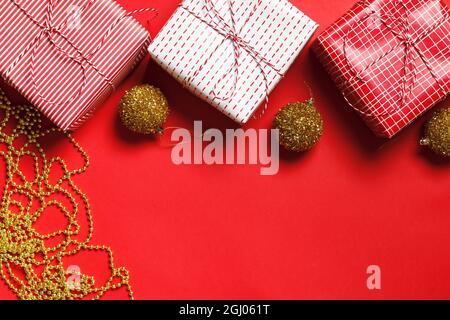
(67, 56)
(232, 53)
(390, 59)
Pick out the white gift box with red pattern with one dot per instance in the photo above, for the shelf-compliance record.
(232, 53)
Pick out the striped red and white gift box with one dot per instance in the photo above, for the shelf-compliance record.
(390, 59)
(232, 53)
(66, 57)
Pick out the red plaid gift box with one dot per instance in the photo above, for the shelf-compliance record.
(65, 57)
(390, 59)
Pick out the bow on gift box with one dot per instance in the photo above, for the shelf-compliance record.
(219, 23)
(49, 31)
(401, 28)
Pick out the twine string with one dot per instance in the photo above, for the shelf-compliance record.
(218, 22)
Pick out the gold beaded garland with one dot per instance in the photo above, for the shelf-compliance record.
(23, 250)
(437, 133)
(144, 109)
(300, 126)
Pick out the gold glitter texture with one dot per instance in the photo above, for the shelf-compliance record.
(34, 264)
(144, 109)
(437, 133)
(300, 126)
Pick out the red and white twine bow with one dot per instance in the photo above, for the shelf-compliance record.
(218, 22)
(48, 31)
(401, 29)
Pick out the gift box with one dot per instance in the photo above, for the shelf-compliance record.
(390, 59)
(232, 53)
(65, 57)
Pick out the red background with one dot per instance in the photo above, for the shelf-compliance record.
(225, 232)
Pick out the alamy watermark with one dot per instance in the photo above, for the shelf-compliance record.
(73, 281)
(74, 17)
(232, 147)
(374, 279)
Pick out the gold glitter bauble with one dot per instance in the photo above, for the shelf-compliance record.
(144, 109)
(300, 126)
(437, 133)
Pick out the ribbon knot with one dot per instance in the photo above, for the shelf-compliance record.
(49, 29)
(219, 22)
(233, 37)
(400, 27)
(407, 39)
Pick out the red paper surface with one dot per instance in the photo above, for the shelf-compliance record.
(225, 232)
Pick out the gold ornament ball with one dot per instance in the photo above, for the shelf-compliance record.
(144, 109)
(300, 125)
(437, 133)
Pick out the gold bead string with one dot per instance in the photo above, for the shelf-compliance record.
(22, 248)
